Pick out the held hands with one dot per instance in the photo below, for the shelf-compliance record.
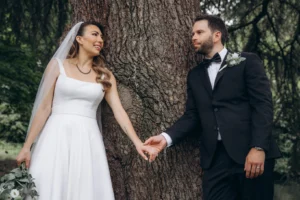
(254, 165)
(150, 151)
(24, 156)
(157, 142)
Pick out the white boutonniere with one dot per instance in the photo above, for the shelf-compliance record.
(232, 60)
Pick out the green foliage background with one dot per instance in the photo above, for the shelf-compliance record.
(29, 34)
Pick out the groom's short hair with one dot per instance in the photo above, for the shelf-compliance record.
(215, 23)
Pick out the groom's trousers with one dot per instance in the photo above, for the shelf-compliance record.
(226, 180)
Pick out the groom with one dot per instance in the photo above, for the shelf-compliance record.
(229, 101)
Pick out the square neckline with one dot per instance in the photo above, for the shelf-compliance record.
(63, 72)
(60, 74)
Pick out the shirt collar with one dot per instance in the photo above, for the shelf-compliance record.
(223, 53)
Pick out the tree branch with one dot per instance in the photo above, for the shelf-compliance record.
(255, 20)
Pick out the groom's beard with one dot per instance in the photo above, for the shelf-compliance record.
(206, 47)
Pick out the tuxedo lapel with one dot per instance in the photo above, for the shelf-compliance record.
(221, 73)
(203, 75)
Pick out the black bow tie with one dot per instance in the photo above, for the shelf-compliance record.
(216, 58)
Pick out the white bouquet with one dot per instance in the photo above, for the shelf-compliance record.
(17, 184)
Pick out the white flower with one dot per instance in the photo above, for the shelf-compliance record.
(232, 60)
(235, 55)
(14, 193)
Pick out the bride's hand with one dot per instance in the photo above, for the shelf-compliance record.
(24, 155)
(151, 151)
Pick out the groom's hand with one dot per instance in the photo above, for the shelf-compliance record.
(159, 142)
(254, 165)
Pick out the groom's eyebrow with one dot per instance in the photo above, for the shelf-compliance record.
(197, 31)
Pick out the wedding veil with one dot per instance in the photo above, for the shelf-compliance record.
(50, 75)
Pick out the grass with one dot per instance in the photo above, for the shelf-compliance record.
(9, 151)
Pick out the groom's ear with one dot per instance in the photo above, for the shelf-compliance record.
(217, 36)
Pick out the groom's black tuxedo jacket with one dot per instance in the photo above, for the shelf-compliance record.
(239, 107)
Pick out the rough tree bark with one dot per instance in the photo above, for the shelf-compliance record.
(148, 47)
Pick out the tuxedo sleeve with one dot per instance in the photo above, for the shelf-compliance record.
(260, 99)
(188, 121)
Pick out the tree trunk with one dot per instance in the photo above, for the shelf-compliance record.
(148, 48)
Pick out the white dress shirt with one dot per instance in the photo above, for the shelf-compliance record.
(212, 70)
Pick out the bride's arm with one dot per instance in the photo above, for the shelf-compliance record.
(42, 113)
(113, 99)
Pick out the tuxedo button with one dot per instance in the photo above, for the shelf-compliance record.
(216, 109)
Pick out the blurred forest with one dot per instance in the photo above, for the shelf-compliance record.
(30, 31)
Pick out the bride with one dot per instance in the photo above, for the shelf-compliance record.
(67, 159)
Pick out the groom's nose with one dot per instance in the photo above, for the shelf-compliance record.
(194, 38)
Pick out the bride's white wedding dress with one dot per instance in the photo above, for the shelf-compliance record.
(69, 160)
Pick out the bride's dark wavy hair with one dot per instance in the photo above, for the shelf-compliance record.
(99, 64)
